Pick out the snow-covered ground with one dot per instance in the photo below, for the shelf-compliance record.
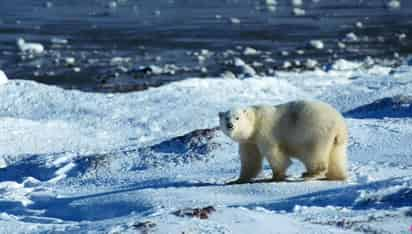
(74, 162)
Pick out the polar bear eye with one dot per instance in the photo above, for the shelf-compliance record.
(237, 118)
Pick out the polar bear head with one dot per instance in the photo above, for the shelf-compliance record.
(238, 124)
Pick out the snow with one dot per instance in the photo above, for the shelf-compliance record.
(3, 78)
(75, 162)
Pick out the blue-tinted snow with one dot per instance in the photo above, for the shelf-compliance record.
(79, 162)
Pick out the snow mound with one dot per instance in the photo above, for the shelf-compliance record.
(95, 123)
(393, 107)
(194, 146)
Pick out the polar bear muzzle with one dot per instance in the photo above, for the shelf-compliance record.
(225, 121)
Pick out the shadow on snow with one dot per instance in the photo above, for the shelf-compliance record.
(384, 194)
(391, 107)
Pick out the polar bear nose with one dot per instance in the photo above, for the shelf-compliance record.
(229, 125)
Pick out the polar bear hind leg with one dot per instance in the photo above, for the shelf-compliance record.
(337, 169)
(316, 160)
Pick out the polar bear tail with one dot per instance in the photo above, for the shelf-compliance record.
(337, 168)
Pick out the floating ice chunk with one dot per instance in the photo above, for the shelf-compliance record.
(284, 53)
(48, 4)
(112, 4)
(3, 78)
(351, 37)
(156, 12)
(271, 2)
(381, 38)
(396, 55)
(298, 11)
(3, 162)
(369, 61)
(246, 69)
(393, 4)
(29, 47)
(286, 64)
(155, 70)
(270, 5)
(297, 2)
(401, 36)
(234, 20)
(342, 65)
(359, 24)
(119, 60)
(250, 51)
(69, 61)
(317, 44)
(57, 40)
(341, 45)
(228, 75)
(300, 52)
(271, 8)
(205, 52)
(201, 58)
(239, 62)
(311, 63)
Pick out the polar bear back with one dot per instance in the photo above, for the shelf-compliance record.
(297, 124)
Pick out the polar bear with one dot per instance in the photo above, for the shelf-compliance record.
(310, 131)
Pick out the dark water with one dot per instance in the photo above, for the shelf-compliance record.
(175, 34)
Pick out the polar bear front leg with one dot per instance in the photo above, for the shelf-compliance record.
(279, 162)
(251, 163)
(316, 163)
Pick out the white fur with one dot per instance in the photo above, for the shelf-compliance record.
(311, 131)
